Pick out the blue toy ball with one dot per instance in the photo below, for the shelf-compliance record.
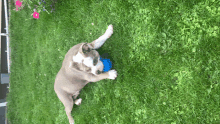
(107, 64)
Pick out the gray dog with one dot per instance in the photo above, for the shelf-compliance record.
(81, 65)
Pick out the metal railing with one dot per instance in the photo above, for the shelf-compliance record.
(7, 35)
(8, 50)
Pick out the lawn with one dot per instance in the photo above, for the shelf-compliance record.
(166, 53)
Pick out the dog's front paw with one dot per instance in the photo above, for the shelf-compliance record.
(109, 31)
(112, 74)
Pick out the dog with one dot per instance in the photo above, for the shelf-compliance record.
(80, 66)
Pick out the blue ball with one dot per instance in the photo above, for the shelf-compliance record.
(107, 64)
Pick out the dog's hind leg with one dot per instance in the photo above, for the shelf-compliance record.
(96, 44)
(76, 94)
(77, 101)
(67, 101)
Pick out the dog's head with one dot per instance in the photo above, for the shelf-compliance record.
(88, 60)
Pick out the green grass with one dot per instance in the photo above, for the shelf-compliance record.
(166, 55)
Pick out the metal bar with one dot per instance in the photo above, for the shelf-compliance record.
(3, 104)
(6, 120)
(6, 22)
(3, 34)
(0, 19)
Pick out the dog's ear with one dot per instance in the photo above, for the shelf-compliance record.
(76, 65)
(81, 67)
(86, 48)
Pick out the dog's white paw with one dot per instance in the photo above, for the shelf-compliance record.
(78, 101)
(71, 121)
(112, 74)
(109, 31)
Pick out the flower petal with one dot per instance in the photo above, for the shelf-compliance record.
(36, 15)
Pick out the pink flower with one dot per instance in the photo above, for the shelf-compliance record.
(18, 4)
(36, 15)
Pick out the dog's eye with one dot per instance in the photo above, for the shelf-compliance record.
(95, 61)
